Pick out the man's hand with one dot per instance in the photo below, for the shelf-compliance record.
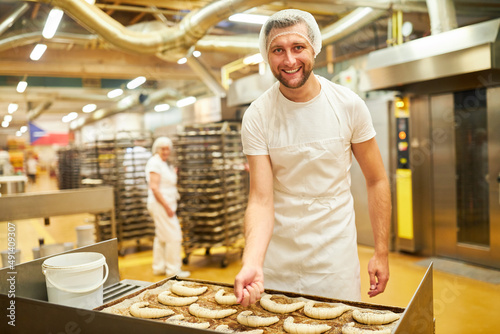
(249, 285)
(378, 269)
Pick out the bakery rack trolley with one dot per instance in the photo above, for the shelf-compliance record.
(119, 160)
(68, 168)
(213, 187)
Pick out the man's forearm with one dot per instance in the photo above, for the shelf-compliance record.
(379, 206)
(259, 222)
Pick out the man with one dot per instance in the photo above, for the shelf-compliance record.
(298, 136)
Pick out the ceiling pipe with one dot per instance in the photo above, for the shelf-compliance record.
(39, 109)
(13, 17)
(350, 23)
(172, 43)
(212, 83)
(36, 36)
(244, 44)
(442, 15)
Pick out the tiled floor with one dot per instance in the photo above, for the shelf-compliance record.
(461, 304)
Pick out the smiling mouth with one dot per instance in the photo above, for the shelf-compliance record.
(292, 71)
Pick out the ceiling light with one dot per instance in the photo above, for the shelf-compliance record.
(136, 82)
(5, 124)
(69, 117)
(115, 93)
(12, 108)
(186, 101)
(162, 107)
(21, 86)
(182, 61)
(90, 1)
(38, 51)
(248, 18)
(196, 53)
(252, 60)
(89, 108)
(23, 129)
(19, 133)
(7, 118)
(52, 23)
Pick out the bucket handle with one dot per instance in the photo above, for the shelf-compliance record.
(78, 291)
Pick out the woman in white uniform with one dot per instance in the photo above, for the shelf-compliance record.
(162, 204)
(298, 137)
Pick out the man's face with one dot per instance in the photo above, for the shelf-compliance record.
(290, 56)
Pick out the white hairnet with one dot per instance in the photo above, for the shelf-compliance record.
(288, 18)
(161, 142)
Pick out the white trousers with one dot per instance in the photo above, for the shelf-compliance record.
(166, 257)
(167, 243)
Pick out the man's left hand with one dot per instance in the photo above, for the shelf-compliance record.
(378, 269)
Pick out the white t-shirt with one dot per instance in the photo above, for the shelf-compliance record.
(273, 121)
(168, 181)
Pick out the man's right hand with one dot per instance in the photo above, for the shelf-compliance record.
(249, 285)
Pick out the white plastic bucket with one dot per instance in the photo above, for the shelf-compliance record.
(76, 279)
(85, 235)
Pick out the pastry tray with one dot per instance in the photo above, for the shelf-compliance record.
(417, 317)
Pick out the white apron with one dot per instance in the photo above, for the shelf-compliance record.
(167, 229)
(313, 249)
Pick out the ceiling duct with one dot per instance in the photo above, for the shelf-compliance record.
(36, 36)
(244, 44)
(456, 52)
(16, 14)
(350, 23)
(442, 15)
(39, 109)
(170, 43)
(203, 72)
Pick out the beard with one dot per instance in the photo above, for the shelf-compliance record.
(305, 76)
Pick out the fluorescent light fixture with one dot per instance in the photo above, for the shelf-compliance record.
(12, 108)
(21, 86)
(115, 93)
(162, 107)
(5, 124)
(196, 53)
(136, 82)
(52, 23)
(38, 51)
(249, 18)
(23, 129)
(252, 60)
(182, 61)
(186, 101)
(69, 117)
(89, 108)
(126, 102)
(7, 118)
